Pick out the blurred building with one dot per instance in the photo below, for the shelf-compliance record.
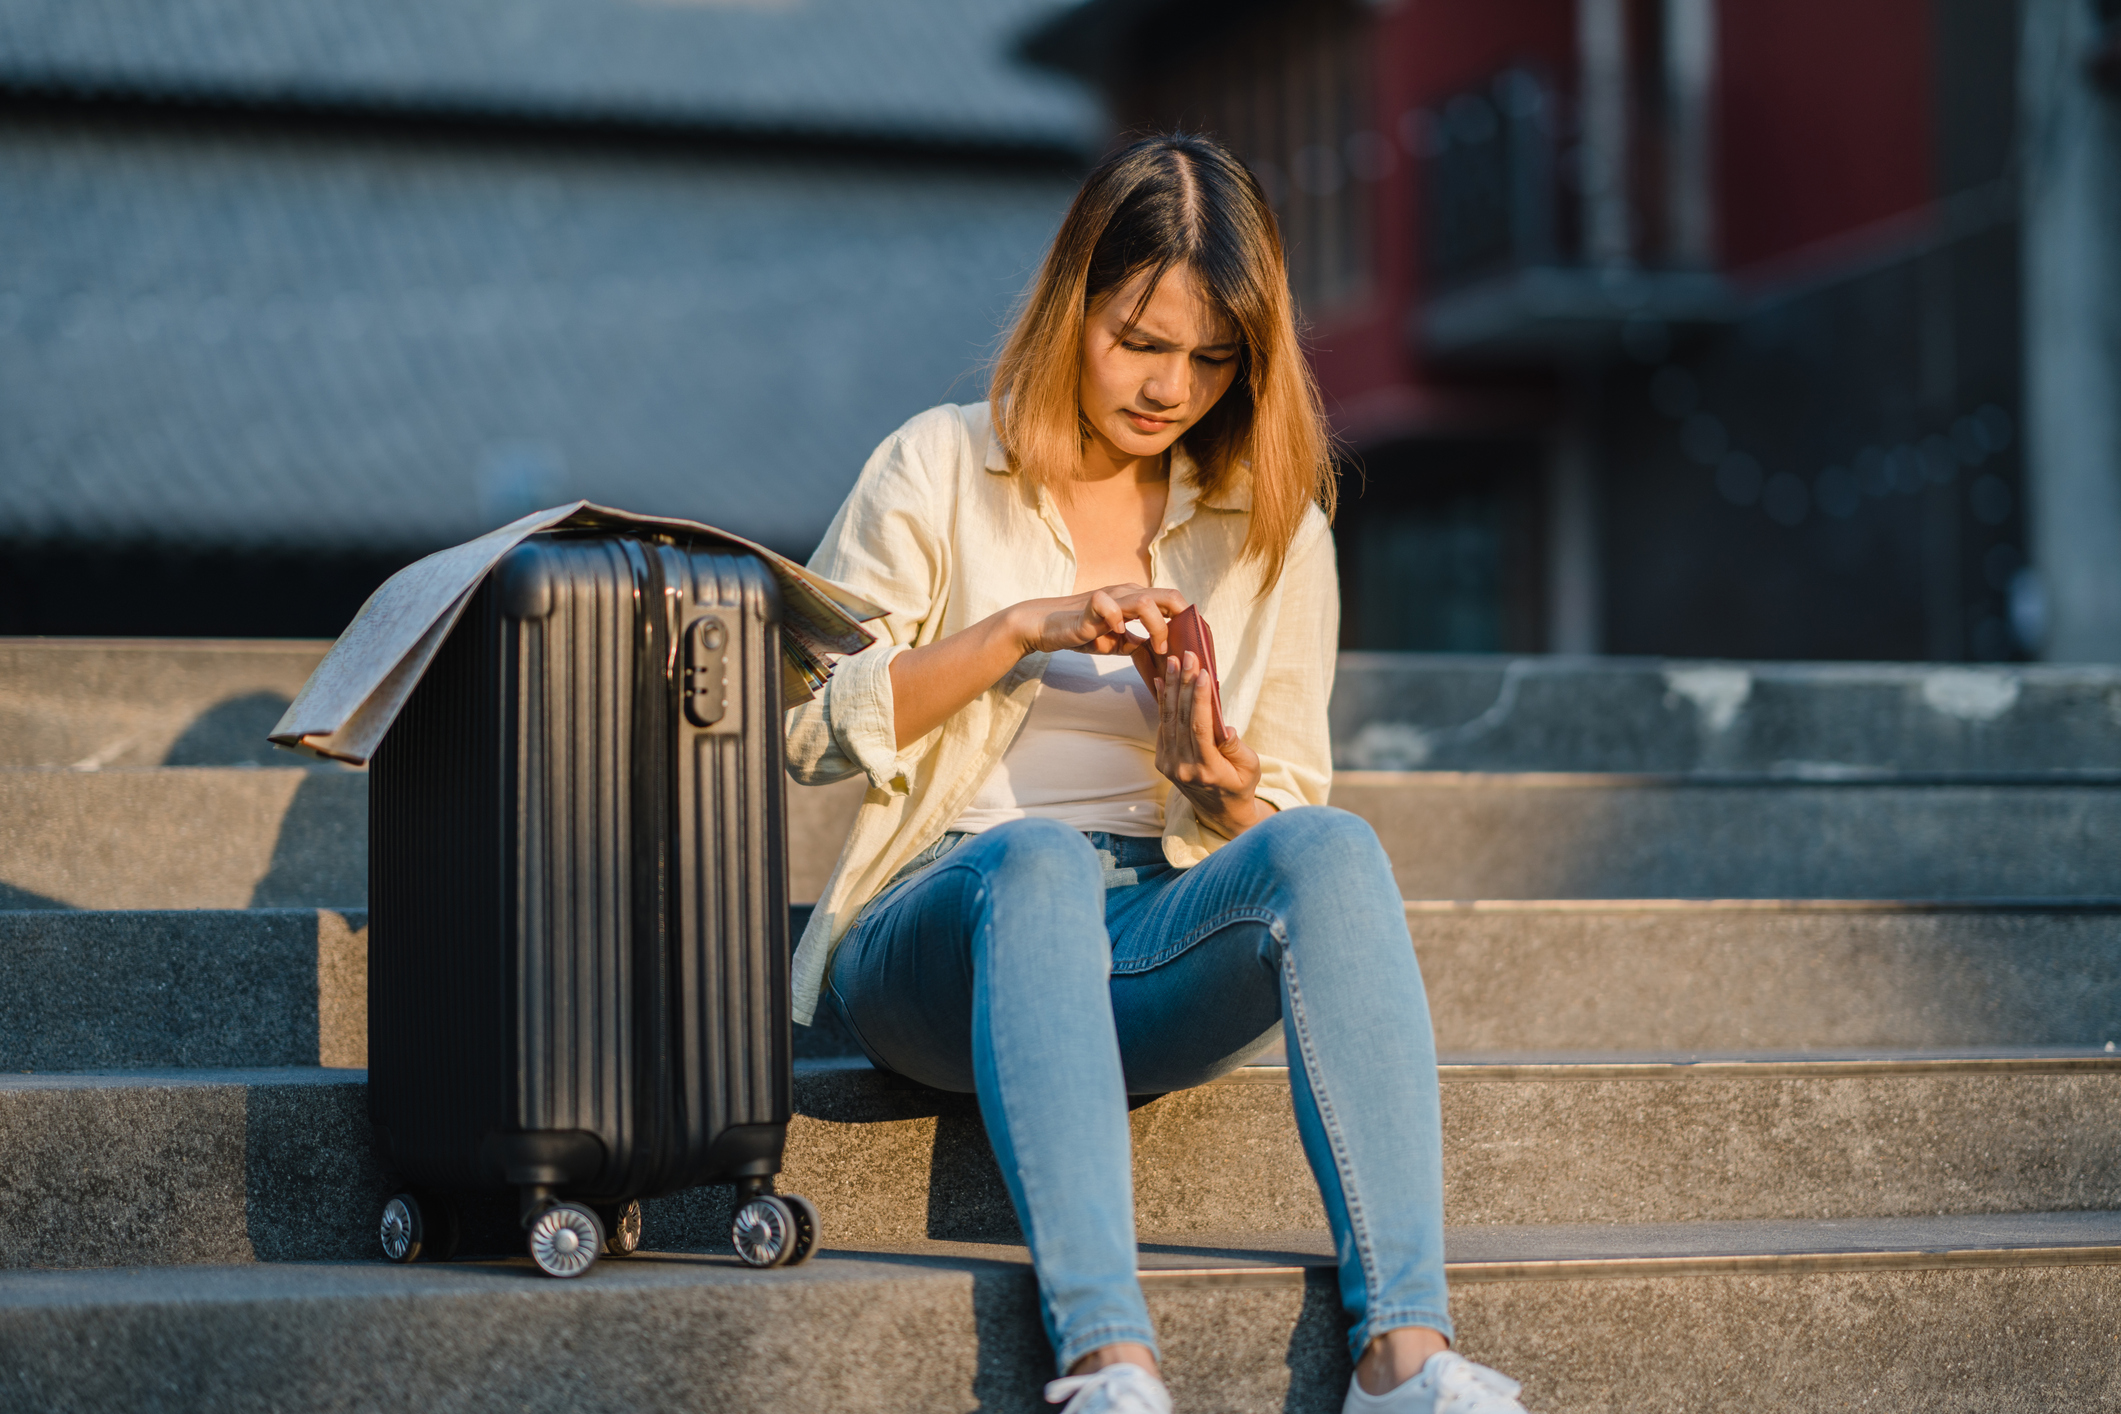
(296, 292)
(1687, 327)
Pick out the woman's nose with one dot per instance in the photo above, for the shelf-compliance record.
(1170, 384)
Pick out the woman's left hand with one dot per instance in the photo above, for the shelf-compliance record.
(1219, 778)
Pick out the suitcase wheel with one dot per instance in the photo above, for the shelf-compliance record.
(807, 1227)
(764, 1233)
(775, 1230)
(565, 1240)
(404, 1230)
(622, 1229)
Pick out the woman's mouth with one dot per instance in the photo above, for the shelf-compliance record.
(1145, 423)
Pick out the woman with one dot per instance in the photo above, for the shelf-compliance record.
(1061, 888)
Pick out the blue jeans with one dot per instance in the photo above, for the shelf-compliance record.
(1054, 973)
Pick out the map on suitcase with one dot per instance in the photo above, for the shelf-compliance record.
(358, 690)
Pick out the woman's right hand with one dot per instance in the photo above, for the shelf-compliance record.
(1097, 622)
(931, 682)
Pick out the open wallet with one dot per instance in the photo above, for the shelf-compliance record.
(1188, 633)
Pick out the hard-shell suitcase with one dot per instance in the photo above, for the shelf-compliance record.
(578, 950)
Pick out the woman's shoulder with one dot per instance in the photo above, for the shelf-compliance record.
(946, 434)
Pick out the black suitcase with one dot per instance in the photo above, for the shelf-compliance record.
(578, 914)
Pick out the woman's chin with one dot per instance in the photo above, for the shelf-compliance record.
(1134, 442)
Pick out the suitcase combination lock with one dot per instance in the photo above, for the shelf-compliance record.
(706, 670)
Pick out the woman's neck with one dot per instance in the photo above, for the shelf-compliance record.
(1104, 463)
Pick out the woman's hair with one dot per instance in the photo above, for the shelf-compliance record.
(1176, 200)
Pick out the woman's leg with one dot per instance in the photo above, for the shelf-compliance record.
(1298, 920)
(989, 972)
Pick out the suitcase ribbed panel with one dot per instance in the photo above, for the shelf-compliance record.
(573, 754)
(437, 969)
(734, 886)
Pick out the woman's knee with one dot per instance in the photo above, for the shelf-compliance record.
(1318, 840)
(1036, 853)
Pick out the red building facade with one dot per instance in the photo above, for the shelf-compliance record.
(1664, 326)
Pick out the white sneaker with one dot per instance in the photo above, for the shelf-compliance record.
(1448, 1384)
(1116, 1389)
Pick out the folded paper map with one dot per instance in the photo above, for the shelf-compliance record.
(359, 688)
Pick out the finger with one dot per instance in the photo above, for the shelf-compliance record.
(1153, 620)
(1200, 706)
(1173, 712)
(1104, 612)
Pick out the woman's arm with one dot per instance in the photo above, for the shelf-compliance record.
(930, 683)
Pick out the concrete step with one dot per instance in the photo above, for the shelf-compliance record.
(235, 837)
(250, 837)
(205, 837)
(1469, 836)
(205, 1166)
(207, 702)
(1747, 974)
(88, 989)
(95, 989)
(98, 703)
(1409, 711)
(1913, 1313)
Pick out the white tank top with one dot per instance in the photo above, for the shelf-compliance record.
(1085, 755)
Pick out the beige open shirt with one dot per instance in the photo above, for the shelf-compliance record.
(941, 533)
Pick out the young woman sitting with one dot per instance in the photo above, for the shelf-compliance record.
(1062, 888)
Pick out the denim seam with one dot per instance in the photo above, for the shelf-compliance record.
(846, 1016)
(1249, 913)
(1398, 1318)
(1300, 1023)
(1108, 1334)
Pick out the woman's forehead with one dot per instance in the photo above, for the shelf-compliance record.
(1179, 308)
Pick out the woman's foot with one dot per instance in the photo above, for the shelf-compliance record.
(1448, 1384)
(1121, 1388)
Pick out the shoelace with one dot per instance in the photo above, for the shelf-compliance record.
(1116, 1389)
(1459, 1380)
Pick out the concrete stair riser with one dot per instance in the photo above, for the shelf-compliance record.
(237, 838)
(1534, 837)
(211, 837)
(1757, 976)
(152, 702)
(95, 989)
(260, 987)
(280, 1165)
(250, 837)
(104, 703)
(1451, 713)
(887, 1334)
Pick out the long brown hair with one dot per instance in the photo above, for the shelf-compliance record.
(1175, 200)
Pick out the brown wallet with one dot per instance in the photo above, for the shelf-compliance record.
(1188, 633)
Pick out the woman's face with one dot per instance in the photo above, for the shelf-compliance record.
(1142, 387)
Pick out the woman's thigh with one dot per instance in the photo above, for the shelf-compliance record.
(903, 979)
(1196, 968)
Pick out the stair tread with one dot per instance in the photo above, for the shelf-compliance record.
(1557, 1252)
(859, 1075)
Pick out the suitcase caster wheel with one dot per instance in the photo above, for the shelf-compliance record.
(565, 1240)
(622, 1229)
(404, 1230)
(807, 1227)
(764, 1232)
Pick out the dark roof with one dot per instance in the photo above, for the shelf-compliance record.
(222, 338)
(914, 71)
